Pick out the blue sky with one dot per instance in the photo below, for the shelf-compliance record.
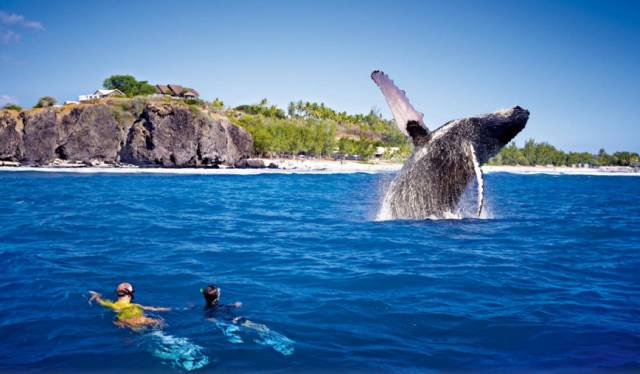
(574, 64)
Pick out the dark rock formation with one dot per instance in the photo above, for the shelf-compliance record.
(212, 143)
(88, 133)
(223, 142)
(164, 134)
(11, 147)
(240, 143)
(40, 136)
(170, 135)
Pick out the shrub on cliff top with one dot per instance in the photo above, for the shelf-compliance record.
(12, 107)
(45, 102)
(217, 103)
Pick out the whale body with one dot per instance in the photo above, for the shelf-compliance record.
(433, 179)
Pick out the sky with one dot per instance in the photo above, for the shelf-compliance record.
(574, 64)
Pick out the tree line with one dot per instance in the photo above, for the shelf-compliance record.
(317, 130)
(543, 153)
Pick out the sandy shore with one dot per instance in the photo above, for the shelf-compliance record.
(561, 170)
(285, 166)
(316, 166)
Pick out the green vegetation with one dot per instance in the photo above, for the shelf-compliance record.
(45, 102)
(217, 104)
(11, 106)
(128, 85)
(316, 130)
(545, 154)
(262, 109)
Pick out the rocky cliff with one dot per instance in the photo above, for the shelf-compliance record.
(163, 134)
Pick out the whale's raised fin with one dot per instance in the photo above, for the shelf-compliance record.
(409, 120)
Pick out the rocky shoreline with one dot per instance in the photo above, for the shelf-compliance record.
(159, 134)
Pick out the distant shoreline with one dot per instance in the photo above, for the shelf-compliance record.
(313, 166)
(562, 170)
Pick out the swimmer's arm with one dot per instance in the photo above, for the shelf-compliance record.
(97, 297)
(155, 308)
(237, 304)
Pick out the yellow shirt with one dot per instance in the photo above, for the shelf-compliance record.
(125, 309)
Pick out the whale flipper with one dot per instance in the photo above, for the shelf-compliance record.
(409, 120)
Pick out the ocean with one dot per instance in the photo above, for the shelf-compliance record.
(550, 281)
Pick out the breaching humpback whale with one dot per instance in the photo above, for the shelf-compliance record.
(444, 161)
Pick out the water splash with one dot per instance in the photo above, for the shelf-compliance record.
(384, 212)
(265, 336)
(472, 202)
(176, 352)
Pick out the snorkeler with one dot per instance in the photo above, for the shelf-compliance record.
(129, 314)
(177, 352)
(231, 326)
(212, 297)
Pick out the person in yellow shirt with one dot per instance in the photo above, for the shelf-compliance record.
(129, 314)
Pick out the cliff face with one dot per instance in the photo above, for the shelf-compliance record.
(90, 133)
(11, 146)
(164, 134)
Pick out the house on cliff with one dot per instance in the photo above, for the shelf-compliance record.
(99, 94)
(175, 90)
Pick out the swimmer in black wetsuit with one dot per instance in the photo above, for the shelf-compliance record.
(227, 323)
(212, 298)
(230, 325)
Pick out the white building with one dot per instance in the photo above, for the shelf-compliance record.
(99, 94)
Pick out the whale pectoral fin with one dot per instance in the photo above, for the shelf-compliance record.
(418, 133)
(403, 112)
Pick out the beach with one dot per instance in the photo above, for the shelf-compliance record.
(311, 166)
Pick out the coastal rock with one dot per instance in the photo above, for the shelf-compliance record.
(250, 164)
(170, 135)
(88, 133)
(11, 147)
(222, 142)
(239, 144)
(165, 135)
(212, 143)
(40, 136)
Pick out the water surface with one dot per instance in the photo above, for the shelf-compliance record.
(552, 281)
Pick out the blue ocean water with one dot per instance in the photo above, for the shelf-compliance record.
(550, 282)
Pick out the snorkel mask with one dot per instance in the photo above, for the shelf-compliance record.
(125, 291)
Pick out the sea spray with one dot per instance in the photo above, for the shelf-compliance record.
(384, 210)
